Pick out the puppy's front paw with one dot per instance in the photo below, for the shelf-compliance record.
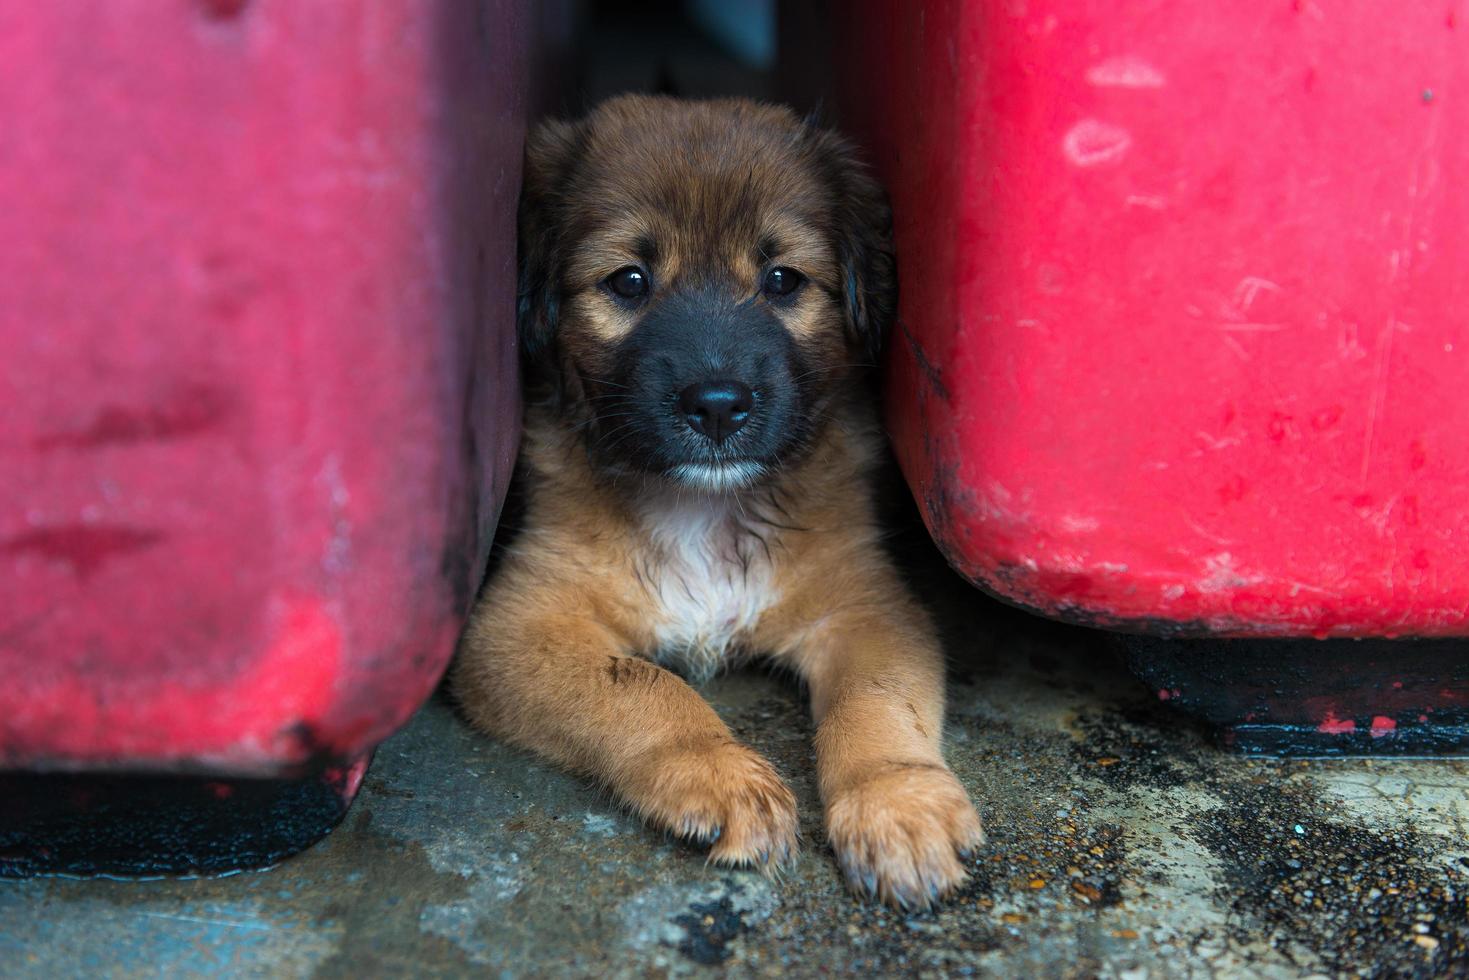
(898, 834)
(724, 795)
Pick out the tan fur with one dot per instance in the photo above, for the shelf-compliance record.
(605, 578)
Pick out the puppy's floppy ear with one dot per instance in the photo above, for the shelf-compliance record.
(864, 240)
(551, 153)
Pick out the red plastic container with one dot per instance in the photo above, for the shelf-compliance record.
(258, 383)
(1182, 344)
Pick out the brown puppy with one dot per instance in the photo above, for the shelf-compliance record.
(703, 285)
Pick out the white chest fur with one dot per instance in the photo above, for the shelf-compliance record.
(710, 576)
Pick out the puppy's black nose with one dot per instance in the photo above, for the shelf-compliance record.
(716, 409)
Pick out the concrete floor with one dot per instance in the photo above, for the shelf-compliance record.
(1123, 844)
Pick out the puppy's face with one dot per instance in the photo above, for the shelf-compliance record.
(701, 278)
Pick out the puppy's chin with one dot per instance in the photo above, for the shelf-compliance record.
(719, 477)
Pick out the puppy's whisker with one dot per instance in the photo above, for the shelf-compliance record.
(595, 420)
(831, 369)
(588, 422)
(601, 441)
(608, 449)
(632, 418)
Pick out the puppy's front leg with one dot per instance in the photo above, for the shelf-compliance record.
(561, 684)
(896, 817)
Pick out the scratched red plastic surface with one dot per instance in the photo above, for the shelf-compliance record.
(252, 251)
(1183, 305)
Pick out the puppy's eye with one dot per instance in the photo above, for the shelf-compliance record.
(628, 283)
(781, 282)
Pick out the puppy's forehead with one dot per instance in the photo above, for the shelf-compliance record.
(678, 171)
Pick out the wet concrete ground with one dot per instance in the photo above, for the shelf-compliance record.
(1122, 844)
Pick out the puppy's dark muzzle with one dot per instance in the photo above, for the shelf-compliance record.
(716, 409)
(703, 380)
